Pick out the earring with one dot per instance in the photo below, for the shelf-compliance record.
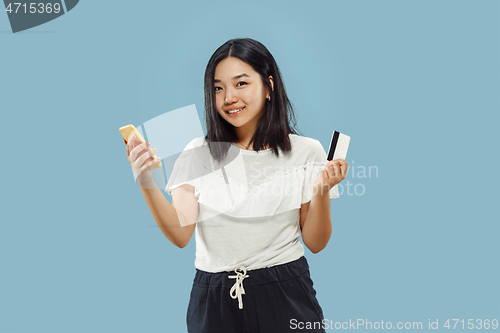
(269, 98)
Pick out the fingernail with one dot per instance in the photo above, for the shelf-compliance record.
(147, 144)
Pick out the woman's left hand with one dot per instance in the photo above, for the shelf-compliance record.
(334, 172)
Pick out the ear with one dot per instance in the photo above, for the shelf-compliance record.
(271, 81)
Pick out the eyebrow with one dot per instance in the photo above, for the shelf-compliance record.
(234, 78)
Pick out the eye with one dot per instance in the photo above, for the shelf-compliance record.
(242, 82)
(216, 88)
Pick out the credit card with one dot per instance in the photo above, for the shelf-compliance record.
(338, 146)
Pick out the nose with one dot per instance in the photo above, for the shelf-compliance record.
(230, 97)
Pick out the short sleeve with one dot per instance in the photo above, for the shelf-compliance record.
(316, 162)
(187, 170)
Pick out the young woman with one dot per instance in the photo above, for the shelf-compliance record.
(251, 273)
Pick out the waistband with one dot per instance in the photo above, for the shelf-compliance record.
(255, 277)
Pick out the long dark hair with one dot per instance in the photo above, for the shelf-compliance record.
(276, 123)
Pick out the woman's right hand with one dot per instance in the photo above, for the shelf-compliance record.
(141, 160)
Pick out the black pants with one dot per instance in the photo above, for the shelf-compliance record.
(273, 300)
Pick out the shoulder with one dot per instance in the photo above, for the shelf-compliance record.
(305, 145)
(196, 142)
(197, 153)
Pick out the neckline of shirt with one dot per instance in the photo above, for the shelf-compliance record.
(246, 151)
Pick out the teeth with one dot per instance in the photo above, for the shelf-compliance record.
(235, 110)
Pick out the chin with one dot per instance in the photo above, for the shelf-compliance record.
(236, 123)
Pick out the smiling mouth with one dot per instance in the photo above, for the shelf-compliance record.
(235, 112)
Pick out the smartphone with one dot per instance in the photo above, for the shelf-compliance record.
(127, 130)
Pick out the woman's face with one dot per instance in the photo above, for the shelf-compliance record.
(238, 86)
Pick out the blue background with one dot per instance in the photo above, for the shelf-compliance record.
(414, 83)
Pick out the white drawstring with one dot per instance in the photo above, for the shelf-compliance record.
(238, 285)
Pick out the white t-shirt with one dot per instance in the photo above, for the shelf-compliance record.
(249, 205)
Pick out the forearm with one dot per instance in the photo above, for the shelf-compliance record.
(317, 228)
(166, 216)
